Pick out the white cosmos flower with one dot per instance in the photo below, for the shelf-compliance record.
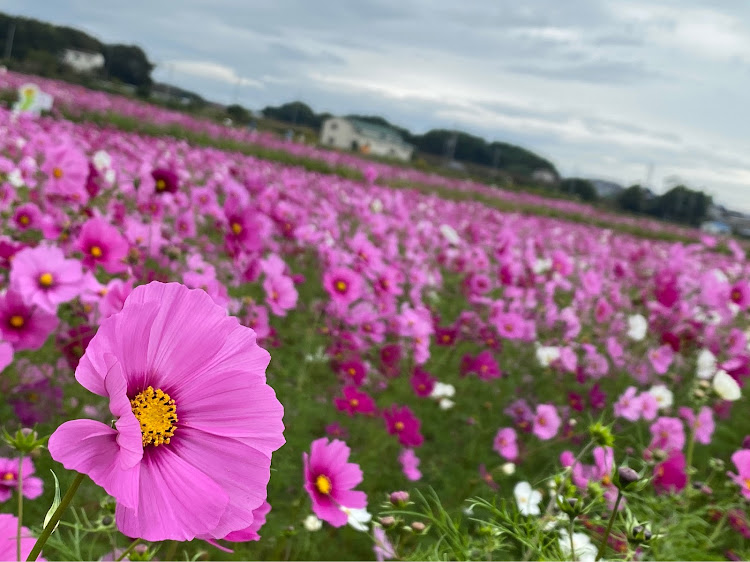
(102, 160)
(15, 178)
(443, 390)
(508, 468)
(547, 354)
(527, 499)
(446, 403)
(726, 387)
(358, 518)
(312, 523)
(663, 395)
(637, 327)
(376, 206)
(542, 265)
(706, 366)
(450, 234)
(585, 550)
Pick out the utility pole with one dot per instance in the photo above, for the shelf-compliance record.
(9, 40)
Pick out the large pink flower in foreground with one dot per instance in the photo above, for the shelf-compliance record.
(8, 544)
(329, 480)
(190, 453)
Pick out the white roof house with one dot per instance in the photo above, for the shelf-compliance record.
(83, 61)
(364, 137)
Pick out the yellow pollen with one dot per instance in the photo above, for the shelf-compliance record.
(161, 185)
(399, 426)
(95, 251)
(422, 387)
(484, 368)
(509, 327)
(323, 484)
(352, 371)
(606, 480)
(9, 476)
(274, 296)
(236, 227)
(156, 412)
(736, 295)
(340, 286)
(747, 483)
(45, 279)
(57, 172)
(24, 219)
(446, 338)
(16, 321)
(354, 402)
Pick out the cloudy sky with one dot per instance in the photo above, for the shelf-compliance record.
(615, 89)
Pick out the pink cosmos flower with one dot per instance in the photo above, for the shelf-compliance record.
(546, 422)
(628, 406)
(24, 326)
(329, 480)
(354, 371)
(27, 216)
(8, 534)
(667, 434)
(661, 358)
(32, 486)
(67, 171)
(197, 423)
(280, 294)
(510, 325)
(355, 401)
(383, 548)
(410, 464)
(43, 277)
(251, 533)
(648, 405)
(102, 244)
(6, 355)
(740, 294)
(165, 181)
(343, 285)
(741, 460)
(115, 294)
(402, 422)
(703, 424)
(505, 443)
(485, 366)
(670, 475)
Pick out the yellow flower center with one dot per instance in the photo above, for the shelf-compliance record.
(354, 402)
(747, 483)
(399, 426)
(24, 220)
(156, 412)
(340, 286)
(161, 185)
(57, 172)
(606, 480)
(323, 484)
(446, 338)
(9, 476)
(236, 227)
(352, 371)
(736, 295)
(95, 251)
(45, 279)
(16, 321)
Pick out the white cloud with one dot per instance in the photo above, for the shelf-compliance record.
(210, 70)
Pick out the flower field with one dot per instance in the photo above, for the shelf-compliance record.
(237, 358)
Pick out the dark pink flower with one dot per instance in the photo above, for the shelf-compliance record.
(422, 382)
(355, 401)
(402, 422)
(8, 534)
(670, 475)
(102, 244)
(24, 326)
(329, 479)
(343, 285)
(165, 181)
(32, 486)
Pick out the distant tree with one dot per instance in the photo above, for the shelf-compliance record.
(238, 114)
(684, 205)
(295, 112)
(129, 64)
(583, 188)
(632, 199)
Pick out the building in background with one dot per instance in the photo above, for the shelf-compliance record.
(364, 137)
(83, 61)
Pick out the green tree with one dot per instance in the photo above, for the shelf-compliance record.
(129, 64)
(583, 188)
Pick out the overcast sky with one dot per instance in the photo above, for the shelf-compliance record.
(603, 88)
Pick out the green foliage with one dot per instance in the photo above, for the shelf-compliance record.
(679, 204)
(294, 112)
(580, 187)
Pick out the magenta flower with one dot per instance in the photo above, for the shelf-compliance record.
(102, 244)
(354, 371)
(546, 422)
(670, 475)
(44, 278)
(28, 216)
(8, 534)
(32, 486)
(329, 480)
(505, 443)
(741, 460)
(422, 382)
(190, 453)
(24, 326)
(485, 366)
(402, 422)
(251, 533)
(355, 401)
(667, 434)
(343, 285)
(410, 464)
(115, 294)
(740, 294)
(165, 181)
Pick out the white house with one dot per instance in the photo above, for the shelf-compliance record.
(364, 137)
(83, 61)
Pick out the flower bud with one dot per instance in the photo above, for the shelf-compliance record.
(400, 498)
(418, 526)
(387, 521)
(625, 477)
(25, 440)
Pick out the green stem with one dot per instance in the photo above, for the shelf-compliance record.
(56, 516)
(689, 459)
(19, 489)
(603, 546)
(128, 550)
(171, 551)
(718, 530)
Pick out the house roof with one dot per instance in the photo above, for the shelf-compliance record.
(378, 132)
